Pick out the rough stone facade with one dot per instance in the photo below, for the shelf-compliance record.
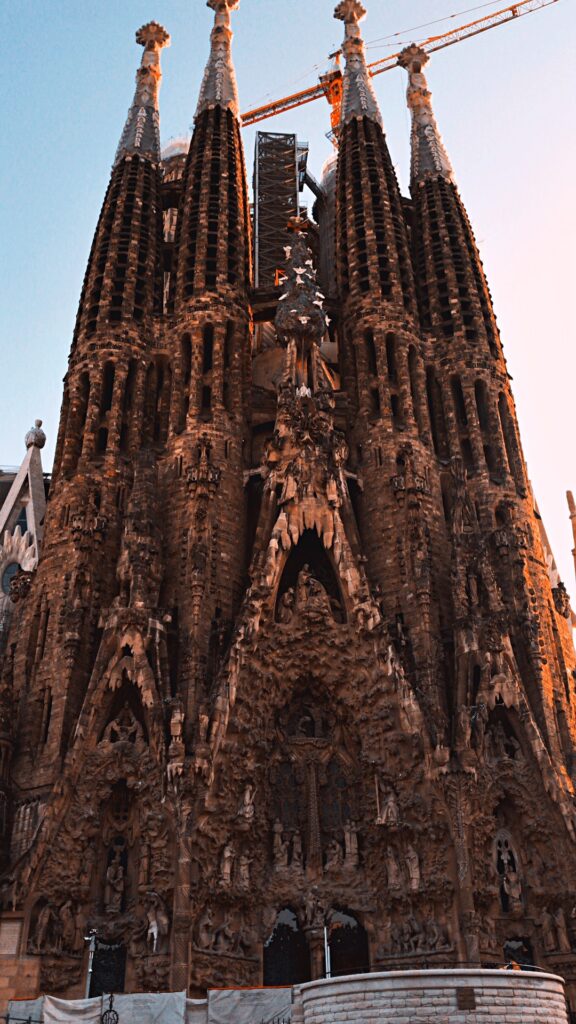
(291, 658)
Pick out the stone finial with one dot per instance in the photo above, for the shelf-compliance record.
(35, 438)
(429, 157)
(141, 135)
(350, 11)
(219, 87)
(358, 96)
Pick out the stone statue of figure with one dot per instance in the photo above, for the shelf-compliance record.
(564, 944)
(297, 856)
(114, 888)
(413, 867)
(176, 722)
(464, 727)
(334, 855)
(389, 813)
(244, 863)
(351, 845)
(549, 939)
(125, 727)
(286, 606)
(68, 926)
(281, 847)
(158, 921)
(206, 935)
(513, 889)
(42, 927)
(393, 870)
(247, 809)
(227, 864)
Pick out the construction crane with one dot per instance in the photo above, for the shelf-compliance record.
(330, 84)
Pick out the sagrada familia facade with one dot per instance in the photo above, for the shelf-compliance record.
(291, 671)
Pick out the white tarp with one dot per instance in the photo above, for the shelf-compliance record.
(249, 1006)
(196, 1011)
(164, 1008)
(22, 1009)
(228, 1006)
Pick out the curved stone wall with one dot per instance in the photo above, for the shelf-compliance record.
(433, 997)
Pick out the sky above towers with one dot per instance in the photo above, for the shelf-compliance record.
(503, 102)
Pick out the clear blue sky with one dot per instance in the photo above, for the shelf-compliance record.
(504, 102)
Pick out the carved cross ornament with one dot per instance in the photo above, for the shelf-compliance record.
(350, 11)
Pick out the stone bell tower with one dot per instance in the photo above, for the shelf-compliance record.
(292, 668)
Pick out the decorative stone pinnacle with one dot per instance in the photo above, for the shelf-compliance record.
(153, 36)
(350, 11)
(141, 135)
(358, 96)
(218, 87)
(429, 157)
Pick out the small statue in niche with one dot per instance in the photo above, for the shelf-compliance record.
(413, 867)
(114, 887)
(393, 870)
(244, 863)
(206, 930)
(227, 864)
(464, 727)
(286, 606)
(281, 847)
(351, 845)
(68, 926)
(513, 889)
(549, 939)
(388, 813)
(334, 855)
(297, 855)
(39, 942)
(158, 923)
(176, 723)
(313, 910)
(124, 728)
(564, 944)
(247, 809)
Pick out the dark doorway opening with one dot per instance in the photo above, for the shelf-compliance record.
(286, 954)
(108, 969)
(348, 941)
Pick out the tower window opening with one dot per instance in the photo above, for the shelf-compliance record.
(107, 388)
(391, 358)
(206, 409)
(459, 402)
(481, 394)
(207, 348)
(375, 407)
(437, 418)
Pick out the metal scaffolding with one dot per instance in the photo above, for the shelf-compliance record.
(279, 171)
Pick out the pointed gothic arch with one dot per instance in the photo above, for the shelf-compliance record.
(310, 552)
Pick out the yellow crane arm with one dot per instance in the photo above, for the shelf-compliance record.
(330, 84)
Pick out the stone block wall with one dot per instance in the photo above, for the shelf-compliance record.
(19, 979)
(434, 997)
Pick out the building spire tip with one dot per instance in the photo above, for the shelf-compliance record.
(153, 36)
(350, 11)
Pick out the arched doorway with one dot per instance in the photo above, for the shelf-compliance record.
(348, 941)
(286, 953)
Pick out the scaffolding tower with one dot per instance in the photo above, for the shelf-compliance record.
(279, 172)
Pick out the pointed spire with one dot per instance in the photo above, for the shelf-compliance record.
(141, 133)
(218, 87)
(429, 157)
(358, 98)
